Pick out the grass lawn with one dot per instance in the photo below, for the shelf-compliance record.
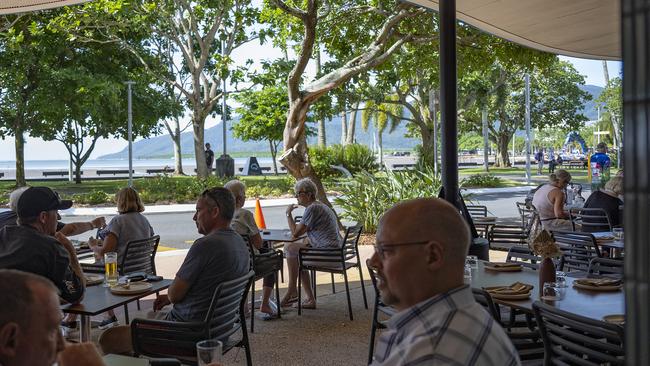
(518, 174)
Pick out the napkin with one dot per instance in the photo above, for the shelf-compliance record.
(516, 288)
(598, 281)
(502, 264)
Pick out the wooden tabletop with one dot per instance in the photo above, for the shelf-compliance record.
(591, 304)
(279, 235)
(99, 299)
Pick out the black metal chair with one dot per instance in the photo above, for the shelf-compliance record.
(590, 220)
(264, 264)
(525, 212)
(333, 260)
(606, 267)
(524, 256)
(225, 317)
(523, 334)
(578, 249)
(571, 339)
(477, 210)
(379, 307)
(503, 237)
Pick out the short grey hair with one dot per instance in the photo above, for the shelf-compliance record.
(307, 185)
(15, 196)
(236, 187)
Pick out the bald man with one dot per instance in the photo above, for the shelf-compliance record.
(419, 258)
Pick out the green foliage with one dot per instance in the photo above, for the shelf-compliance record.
(94, 197)
(482, 181)
(354, 157)
(270, 188)
(367, 196)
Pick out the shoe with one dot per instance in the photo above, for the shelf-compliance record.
(307, 305)
(288, 301)
(72, 324)
(108, 323)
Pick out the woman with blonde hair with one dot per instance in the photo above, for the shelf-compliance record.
(608, 199)
(549, 202)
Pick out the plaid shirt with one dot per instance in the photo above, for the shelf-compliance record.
(447, 329)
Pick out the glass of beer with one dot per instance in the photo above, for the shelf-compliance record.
(110, 264)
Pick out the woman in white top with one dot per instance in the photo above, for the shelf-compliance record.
(549, 202)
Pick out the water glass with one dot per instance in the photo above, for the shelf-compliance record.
(553, 291)
(208, 353)
(618, 233)
(468, 272)
(110, 264)
(560, 278)
(472, 261)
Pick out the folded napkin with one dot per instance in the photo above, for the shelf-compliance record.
(516, 288)
(599, 281)
(605, 238)
(502, 264)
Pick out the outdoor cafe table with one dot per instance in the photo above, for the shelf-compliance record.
(99, 299)
(591, 304)
(617, 246)
(278, 235)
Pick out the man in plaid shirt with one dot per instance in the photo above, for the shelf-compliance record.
(420, 257)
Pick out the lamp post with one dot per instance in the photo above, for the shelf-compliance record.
(130, 131)
(527, 78)
(486, 145)
(225, 165)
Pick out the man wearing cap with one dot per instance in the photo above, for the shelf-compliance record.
(35, 246)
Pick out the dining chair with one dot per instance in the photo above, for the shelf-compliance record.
(577, 248)
(264, 264)
(524, 256)
(379, 307)
(590, 220)
(478, 211)
(571, 339)
(224, 318)
(525, 212)
(333, 260)
(606, 266)
(505, 236)
(523, 334)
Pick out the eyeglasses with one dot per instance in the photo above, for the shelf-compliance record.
(380, 249)
(300, 192)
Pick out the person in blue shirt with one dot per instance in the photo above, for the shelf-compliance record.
(600, 164)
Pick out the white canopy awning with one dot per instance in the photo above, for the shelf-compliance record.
(23, 6)
(578, 28)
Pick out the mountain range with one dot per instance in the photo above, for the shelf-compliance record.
(161, 146)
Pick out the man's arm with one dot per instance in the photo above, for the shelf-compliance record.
(177, 290)
(74, 284)
(76, 228)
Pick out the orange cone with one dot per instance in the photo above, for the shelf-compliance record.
(259, 216)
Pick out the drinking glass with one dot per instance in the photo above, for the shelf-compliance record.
(468, 272)
(472, 261)
(208, 353)
(553, 291)
(560, 278)
(110, 264)
(618, 233)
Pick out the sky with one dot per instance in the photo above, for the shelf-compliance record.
(37, 149)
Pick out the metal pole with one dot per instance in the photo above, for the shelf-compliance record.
(527, 77)
(432, 110)
(70, 170)
(448, 101)
(130, 132)
(485, 140)
(223, 100)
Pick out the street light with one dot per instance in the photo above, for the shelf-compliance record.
(130, 132)
(225, 164)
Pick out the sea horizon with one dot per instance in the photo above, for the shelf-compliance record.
(61, 164)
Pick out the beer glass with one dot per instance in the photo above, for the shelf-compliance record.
(110, 264)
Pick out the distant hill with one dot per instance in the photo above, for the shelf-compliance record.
(161, 146)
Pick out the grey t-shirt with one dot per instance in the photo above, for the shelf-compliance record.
(128, 227)
(243, 223)
(213, 259)
(322, 228)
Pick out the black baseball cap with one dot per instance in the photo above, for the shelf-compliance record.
(38, 199)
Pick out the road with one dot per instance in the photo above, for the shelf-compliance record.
(177, 230)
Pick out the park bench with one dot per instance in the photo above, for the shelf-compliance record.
(575, 164)
(2, 174)
(114, 171)
(262, 168)
(158, 171)
(403, 166)
(59, 173)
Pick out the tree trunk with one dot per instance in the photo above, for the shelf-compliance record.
(274, 152)
(615, 122)
(20, 154)
(380, 143)
(344, 127)
(502, 159)
(178, 155)
(77, 170)
(199, 153)
(322, 139)
(352, 122)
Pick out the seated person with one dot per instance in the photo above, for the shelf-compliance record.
(549, 202)
(34, 245)
(320, 224)
(219, 256)
(29, 325)
(420, 265)
(244, 224)
(69, 229)
(608, 199)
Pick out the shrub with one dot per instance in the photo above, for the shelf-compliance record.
(366, 197)
(482, 181)
(94, 197)
(354, 157)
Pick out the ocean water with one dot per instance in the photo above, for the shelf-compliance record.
(111, 163)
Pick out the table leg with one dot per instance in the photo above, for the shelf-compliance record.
(85, 328)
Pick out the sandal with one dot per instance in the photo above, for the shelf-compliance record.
(307, 305)
(288, 301)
